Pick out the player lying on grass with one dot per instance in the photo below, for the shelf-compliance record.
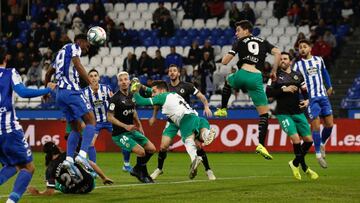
(58, 178)
(185, 90)
(99, 96)
(289, 112)
(252, 51)
(314, 71)
(128, 132)
(181, 114)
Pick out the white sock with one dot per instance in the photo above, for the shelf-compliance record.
(10, 201)
(70, 159)
(190, 148)
(205, 133)
(126, 164)
(318, 155)
(83, 153)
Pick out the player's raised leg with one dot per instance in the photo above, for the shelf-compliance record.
(315, 125)
(225, 96)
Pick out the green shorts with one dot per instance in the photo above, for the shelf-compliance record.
(68, 128)
(294, 124)
(252, 82)
(192, 123)
(128, 140)
(170, 130)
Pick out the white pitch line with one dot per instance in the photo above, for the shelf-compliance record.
(165, 183)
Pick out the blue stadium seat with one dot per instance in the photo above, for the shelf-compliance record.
(180, 33)
(229, 32)
(222, 41)
(185, 42)
(148, 42)
(192, 33)
(165, 78)
(144, 33)
(154, 33)
(205, 33)
(173, 41)
(217, 32)
(104, 79)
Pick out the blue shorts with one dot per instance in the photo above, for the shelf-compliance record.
(14, 150)
(73, 104)
(103, 125)
(319, 106)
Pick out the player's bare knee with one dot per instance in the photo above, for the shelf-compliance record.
(150, 148)
(30, 167)
(308, 138)
(295, 139)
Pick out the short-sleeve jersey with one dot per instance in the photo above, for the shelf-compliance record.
(123, 108)
(184, 89)
(99, 101)
(8, 120)
(66, 75)
(251, 50)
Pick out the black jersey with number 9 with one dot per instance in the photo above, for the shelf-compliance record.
(251, 50)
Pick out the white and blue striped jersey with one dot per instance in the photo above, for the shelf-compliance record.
(8, 120)
(99, 101)
(66, 75)
(312, 70)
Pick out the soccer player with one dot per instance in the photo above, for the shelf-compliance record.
(314, 71)
(15, 153)
(99, 96)
(58, 178)
(252, 51)
(289, 112)
(72, 101)
(185, 90)
(182, 115)
(128, 132)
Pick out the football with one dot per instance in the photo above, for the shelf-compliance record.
(96, 36)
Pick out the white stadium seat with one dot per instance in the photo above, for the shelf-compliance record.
(119, 7)
(126, 50)
(135, 16)
(84, 60)
(101, 71)
(284, 40)
(223, 23)
(304, 29)
(272, 22)
(84, 7)
(107, 61)
(22, 102)
(111, 71)
(122, 16)
(142, 7)
(278, 31)
(138, 51)
(113, 15)
(131, 7)
(260, 5)
(34, 102)
(118, 62)
(104, 51)
(265, 31)
(239, 5)
(187, 24)
(148, 24)
(225, 49)
(151, 51)
(165, 51)
(72, 8)
(115, 51)
(199, 24)
(128, 24)
(291, 30)
(284, 22)
(95, 61)
(211, 23)
(271, 5)
(186, 51)
(179, 50)
(266, 13)
(272, 39)
(139, 24)
(146, 15)
(108, 7)
(153, 6)
(168, 5)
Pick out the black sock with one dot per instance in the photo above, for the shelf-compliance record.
(225, 95)
(298, 154)
(263, 128)
(305, 148)
(202, 153)
(161, 159)
(147, 157)
(141, 161)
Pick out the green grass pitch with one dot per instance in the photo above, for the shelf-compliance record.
(240, 178)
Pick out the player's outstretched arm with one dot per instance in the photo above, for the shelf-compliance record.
(105, 179)
(80, 69)
(152, 120)
(48, 192)
(25, 92)
(203, 99)
(227, 58)
(277, 54)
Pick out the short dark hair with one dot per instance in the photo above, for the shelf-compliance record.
(3, 53)
(174, 65)
(161, 84)
(306, 41)
(93, 70)
(245, 25)
(286, 53)
(50, 149)
(80, 36)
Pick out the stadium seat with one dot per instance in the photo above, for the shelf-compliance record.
(143, 79)
(199, 24)
(135, 16)
(115, 51)
(146, 15)
(284, 22)
(278, 31)
(168, 5)
(215, 100)
(104, 51)
(119, 7)
(186, 50)
(260, 5)
(21, 102)
(270, 5)
(290, 30)
(272, 22)
(34, 102)
(266, 13)
(173, 41)
(84, 7)
(148, 42)
(123, 16)
(187, 23)
(128, 23)
(84, 60)
(138, 51)
(211, 23)
(131, 7)
(304, 29)
(142, 7)
(148, 24)
(108, 7)
(265, 31)
(223, 23)
(139, 24)
(153, 6)
(204, 33)
(185, 41)
(101, 71)
(179, 50)
(107, 61)
(272, 39)
(151, 51)
(239, 5)
(72, 8)
(111, 71)
(119, 62)
(95, 60)
(165, 50)
(284, 40)
(113, 15)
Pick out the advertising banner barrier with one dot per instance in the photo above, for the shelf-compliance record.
(231, 136)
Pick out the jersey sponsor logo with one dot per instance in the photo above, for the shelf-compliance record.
(112, 107)
(312, 71)
(128, 111)
(98, 103)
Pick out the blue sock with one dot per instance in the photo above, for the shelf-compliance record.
(88, 135)
(72, 143)
(317, 140)
(126, 155)
(92, 153)
(325, 134)
(22, 181)
(6, 173)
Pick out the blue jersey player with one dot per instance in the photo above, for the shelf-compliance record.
(99, 96)
(315, 74)
(15, 154)
(71, 100)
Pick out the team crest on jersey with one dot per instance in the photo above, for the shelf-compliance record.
(182, 90)
(133, 100)
(112, 107)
